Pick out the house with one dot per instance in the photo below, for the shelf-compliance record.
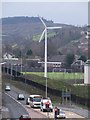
(78, 66)
(7, 56)
(57, 58)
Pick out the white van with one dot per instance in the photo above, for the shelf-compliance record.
(43, 106)
(35, 100)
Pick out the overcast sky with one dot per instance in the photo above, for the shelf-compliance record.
(75, 13)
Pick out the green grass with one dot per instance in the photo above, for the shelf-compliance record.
(58, 75)
(54, 81)
(29, 89)
(82, 91)
(37, 37)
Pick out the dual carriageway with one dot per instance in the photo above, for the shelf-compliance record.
(14, 108)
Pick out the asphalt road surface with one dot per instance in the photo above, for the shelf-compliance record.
(17, 108)
(14, 109)
(10, 101)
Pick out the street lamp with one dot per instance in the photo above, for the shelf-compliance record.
(1, 84)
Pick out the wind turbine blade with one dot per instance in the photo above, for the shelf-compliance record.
(54, 27)
(43, 22)
(41, 36)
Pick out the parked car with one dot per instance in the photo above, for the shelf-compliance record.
(7, 88)
(20, 97)
(25, 117)
(46, 105)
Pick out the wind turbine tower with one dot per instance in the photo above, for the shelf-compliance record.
(45, 33)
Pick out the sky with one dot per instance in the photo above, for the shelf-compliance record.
(75, 13)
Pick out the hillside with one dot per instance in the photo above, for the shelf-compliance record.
(23, 33)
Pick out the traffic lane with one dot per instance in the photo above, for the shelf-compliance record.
(15, 109)
(14, 92)
(68, 114)
(35, 114)
(80, 111)
(30, 111)
(5, 112)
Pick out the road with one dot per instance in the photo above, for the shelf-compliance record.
(68, 114)
(16, 108)
(10, 101)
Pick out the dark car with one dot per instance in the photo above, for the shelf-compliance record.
(25, 117)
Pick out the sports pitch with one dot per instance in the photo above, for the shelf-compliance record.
(58, 75)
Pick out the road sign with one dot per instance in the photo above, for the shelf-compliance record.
(66, 94)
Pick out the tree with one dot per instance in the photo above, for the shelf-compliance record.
(29, 52)
(83, 58)
(69, 60)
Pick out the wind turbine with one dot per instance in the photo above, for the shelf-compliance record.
(45, 32)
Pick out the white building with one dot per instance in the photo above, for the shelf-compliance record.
(7, 56)
(87, 72)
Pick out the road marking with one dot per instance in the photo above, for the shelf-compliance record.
(16, 101)
(5, 109)
(21, 104)
(71, 114)
(35, 110)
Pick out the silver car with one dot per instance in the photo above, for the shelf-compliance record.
(20, 97)
(7, 88)
(61, 114)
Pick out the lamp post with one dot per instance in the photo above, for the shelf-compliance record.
(1, 86)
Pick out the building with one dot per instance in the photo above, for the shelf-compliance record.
(7, 56)
(87, 72)
(78, 66)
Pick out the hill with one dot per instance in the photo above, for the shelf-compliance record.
(23, 33)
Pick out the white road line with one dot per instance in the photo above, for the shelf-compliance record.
(16, 101)
(20, 103)
(5, 109)
(71, 114)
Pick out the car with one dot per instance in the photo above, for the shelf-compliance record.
(20, 97)
(46, 105)
(25, 117)
(59, 113)
(62, 114)
(7, 88)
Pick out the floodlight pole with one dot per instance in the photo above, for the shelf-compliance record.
(45, 67)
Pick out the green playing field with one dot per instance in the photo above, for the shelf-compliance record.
(59, 75)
